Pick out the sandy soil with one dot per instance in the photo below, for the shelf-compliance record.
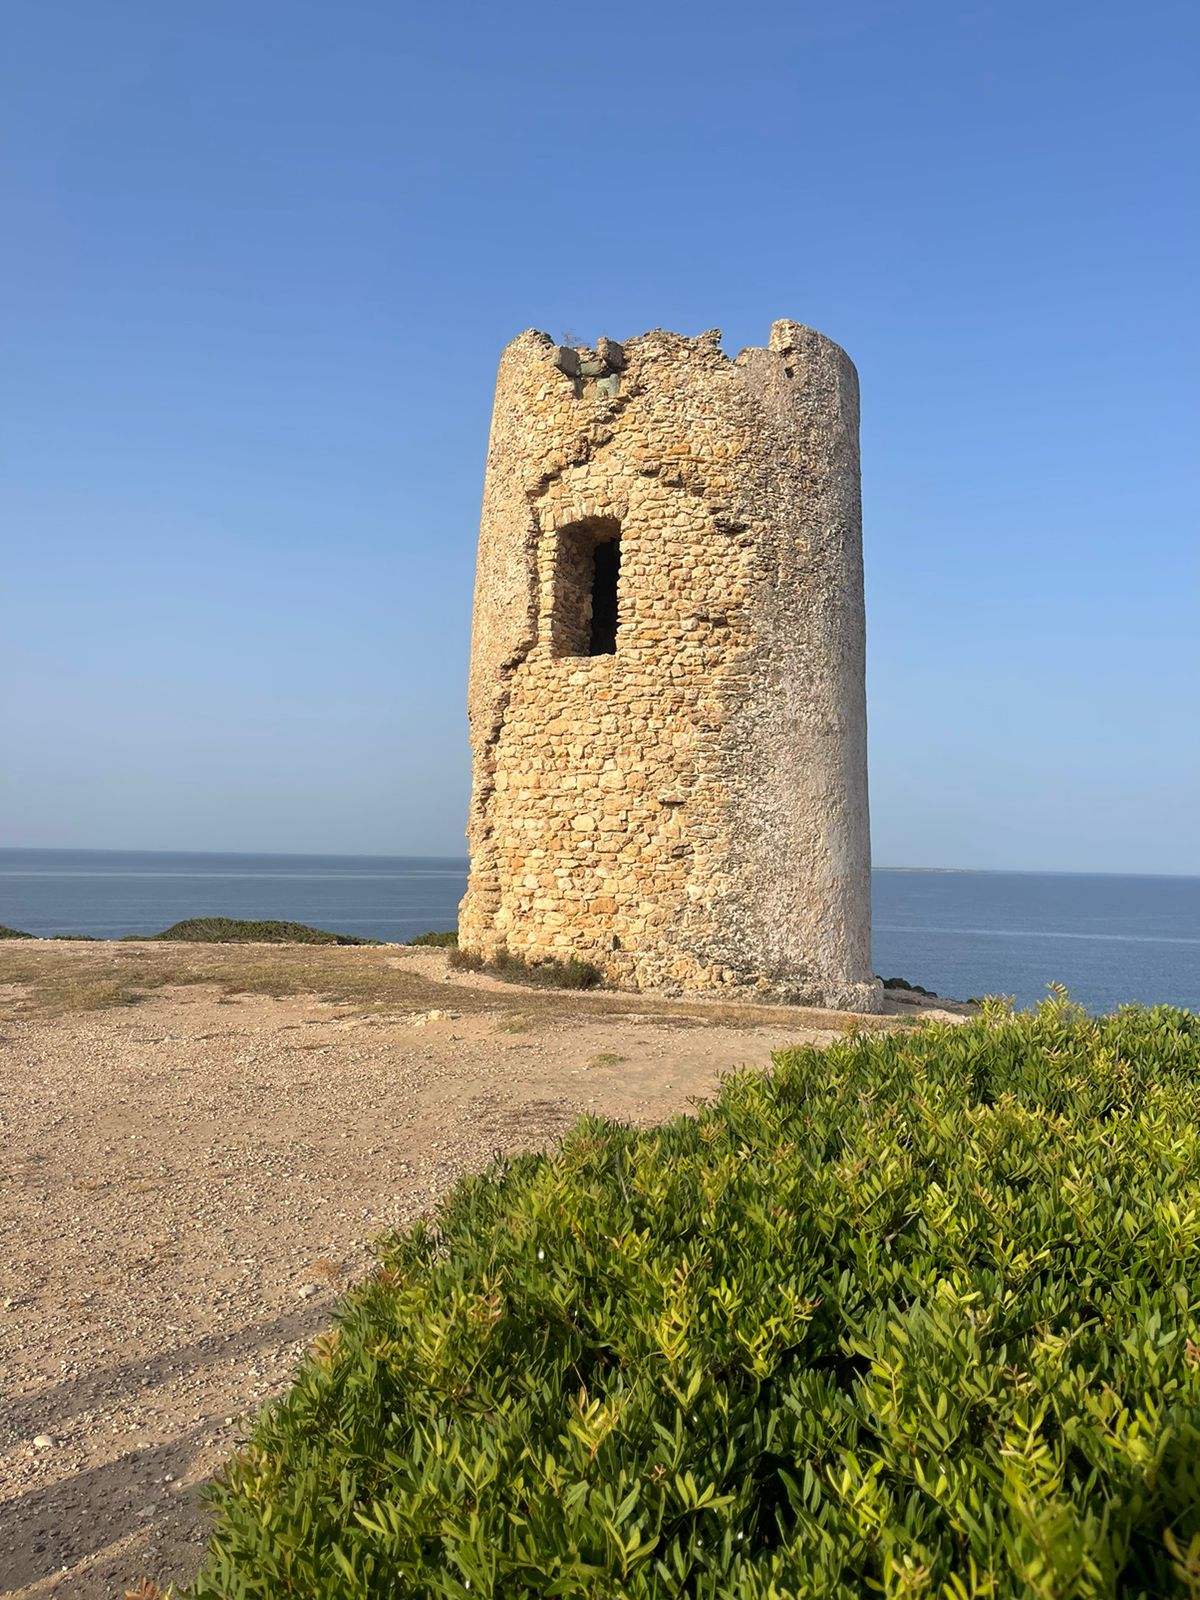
(192, 1174)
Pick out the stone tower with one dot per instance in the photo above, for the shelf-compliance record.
(667, 704)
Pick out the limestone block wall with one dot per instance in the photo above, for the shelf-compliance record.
(681, 800)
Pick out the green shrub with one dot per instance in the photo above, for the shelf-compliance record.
(14, 933)
(547, 974)
(230, 930)
(445, 940)
(914, 1315)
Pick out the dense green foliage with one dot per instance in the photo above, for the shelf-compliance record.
(444, 940)
(14, 933)
(547, 974)
(914, 1315)
(229, 930)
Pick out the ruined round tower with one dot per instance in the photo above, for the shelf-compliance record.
(667, 704)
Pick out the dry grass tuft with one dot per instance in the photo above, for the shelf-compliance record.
(607, 1058)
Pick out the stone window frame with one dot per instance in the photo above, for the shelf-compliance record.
(568, 579)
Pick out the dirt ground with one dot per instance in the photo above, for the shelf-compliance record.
(199, 1144)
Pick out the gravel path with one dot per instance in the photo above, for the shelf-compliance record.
(188, 1183)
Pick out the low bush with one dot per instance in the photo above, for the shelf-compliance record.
(912, 1315)
(14, 933)
(547, 974)
(447, 939)
(230, 930)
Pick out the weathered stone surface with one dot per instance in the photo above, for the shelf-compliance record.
(611, 354)
(689, 809)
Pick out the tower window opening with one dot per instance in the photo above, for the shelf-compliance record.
(606, 567)
(585, 612)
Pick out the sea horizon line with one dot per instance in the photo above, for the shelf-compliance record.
(463, 859)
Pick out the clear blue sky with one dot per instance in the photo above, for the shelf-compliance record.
(260, 260)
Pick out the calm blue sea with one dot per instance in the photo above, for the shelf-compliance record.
(1109, 939)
